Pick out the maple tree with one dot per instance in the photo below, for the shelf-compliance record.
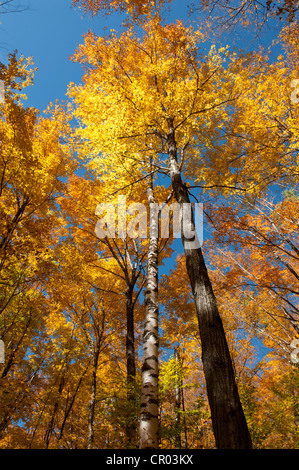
(244, 308)
(126, 259)
(121, 259)
(33, 163)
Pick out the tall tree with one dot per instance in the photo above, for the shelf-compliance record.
(33, 163)
(169, 100)
(122, 258)
(149, 424)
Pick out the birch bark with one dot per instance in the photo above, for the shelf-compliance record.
(149, 424)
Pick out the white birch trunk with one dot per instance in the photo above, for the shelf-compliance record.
(149, 423)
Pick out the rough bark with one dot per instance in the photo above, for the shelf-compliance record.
(92, 402)
(131, 368)
(99, 327)
(229, 423)
(177, 405)
(149, 423)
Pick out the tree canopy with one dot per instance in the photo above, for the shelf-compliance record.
(113, 340)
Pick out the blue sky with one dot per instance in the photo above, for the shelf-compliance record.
(50, 32)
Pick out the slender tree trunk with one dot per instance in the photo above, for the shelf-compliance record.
(177, 405)
(69, 406)
(229, 423)
(184, 415)
(92, 401)
(130, 339)
(149, 409)
(50, 428)
(131, 279)
(130, 429)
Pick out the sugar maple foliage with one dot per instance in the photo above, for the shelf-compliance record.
(265, 267)
(266, 378)
(33, 163)
(167, 94)
(85, 322)
(71, 316)
(123, 259)
(125, 267)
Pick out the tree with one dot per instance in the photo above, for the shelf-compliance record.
(149, 424)
(87, 317)
(264, 270)
(33, 163)
(167, 100)
(120, 258)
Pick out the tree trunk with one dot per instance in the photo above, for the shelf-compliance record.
(149, 423)
(92, 401)
(50, 428)
(177, 405)
(70, 406)
(130, 428)
(229, 423)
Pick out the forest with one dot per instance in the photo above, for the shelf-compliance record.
(113, 339)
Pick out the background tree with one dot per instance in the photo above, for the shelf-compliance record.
(33, 163)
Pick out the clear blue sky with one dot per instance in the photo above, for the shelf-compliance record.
(50, 31)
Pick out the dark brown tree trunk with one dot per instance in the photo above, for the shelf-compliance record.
(130, 339)
(50, 428)
(92, 401)
(131, 370)
(131, 275)
(229, 423)
(70, 405)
